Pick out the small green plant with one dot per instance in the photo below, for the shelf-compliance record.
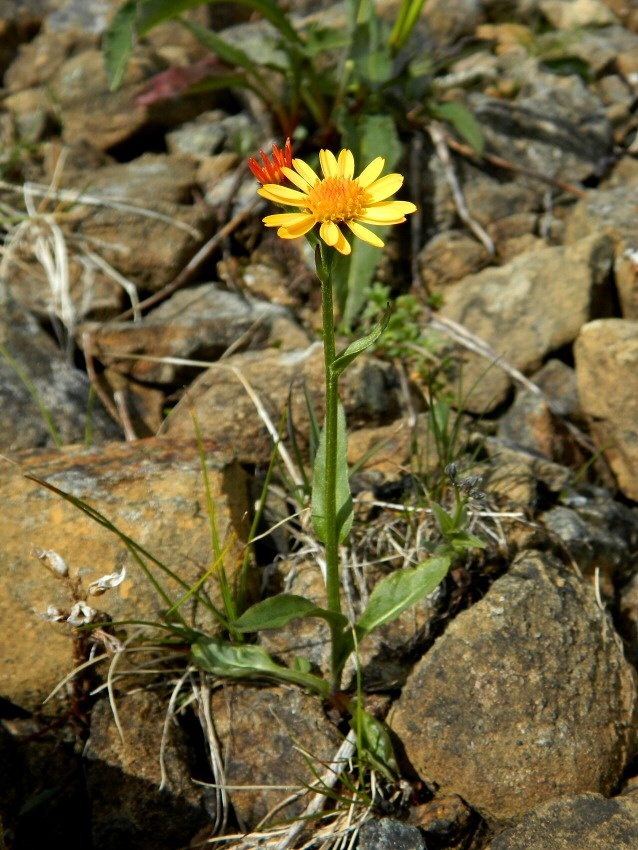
(338, 204)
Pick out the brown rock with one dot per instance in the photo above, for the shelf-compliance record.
(576, 822)
(526, 696)
(132, 802)
(152, 491)
(507, 308)
(264, 733)
(606, 354)
(229, 416)
(613, 212)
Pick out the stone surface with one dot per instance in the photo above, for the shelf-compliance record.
(606, 354)
(577, 822)
(506, 307)
(388, 834)
(229, 416)
(555, 126)
(151, 490)
(133, 803)
(541, 703)
(264, 732)
(613, 211)
(39, 382)
(199, 323)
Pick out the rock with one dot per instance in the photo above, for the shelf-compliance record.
(264, 733)
(446, 819)
(567, 14)
(229, 416)
(196, 323)
(144, 220)
(133, 801)
(389, 834)
(575, 822)
(151, 490)
(598, 534)
(523, 477)
(525, 697)
(447, 22)
(44, 397)
(606, 354)
(448, 257)
(612, 211)
(556, 126)
(507, 308)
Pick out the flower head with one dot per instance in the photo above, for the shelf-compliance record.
(270, 172)
(337, 199)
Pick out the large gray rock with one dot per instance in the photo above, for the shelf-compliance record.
(525, 697)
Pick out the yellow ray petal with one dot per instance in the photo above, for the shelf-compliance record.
(387, 212)
(329, 232)
(308, 174)
(302, 226)
(299, 181)
(371, 172)
(345, 164)
(384, 187)
(365, 234)
(282, 195)
(328, 163)
(287, 219)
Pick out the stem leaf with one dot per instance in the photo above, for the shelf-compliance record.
(343, 360)
(277, 611)
(398, 591)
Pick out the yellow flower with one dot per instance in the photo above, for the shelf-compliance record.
(336, 200)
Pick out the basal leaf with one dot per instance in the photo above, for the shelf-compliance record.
(228, 660)
(376, 742)
(398, 591)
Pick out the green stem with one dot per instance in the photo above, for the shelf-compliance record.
(324, 268)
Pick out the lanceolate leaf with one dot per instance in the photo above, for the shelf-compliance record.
(460, 117)
(118, 42)
(355, 348)
(278, 611)
(398, 591)
(344, 496)
(249, 662)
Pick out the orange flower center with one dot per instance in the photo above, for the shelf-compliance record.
(337, 199)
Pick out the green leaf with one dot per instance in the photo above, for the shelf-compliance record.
(139, 17)
(374, 135)
(463, 121)
(278, 611)
(118, 42)
(231, 661)
(376, 742)
(406, 19)
(345, 512)
(398, 591)
(343, 360)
